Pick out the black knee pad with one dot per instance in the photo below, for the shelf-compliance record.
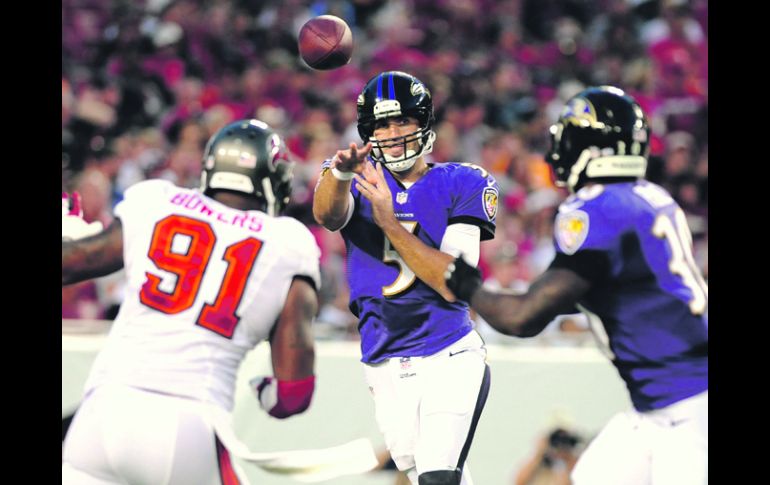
(440, 477)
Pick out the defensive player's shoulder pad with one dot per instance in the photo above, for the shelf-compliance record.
(140, 198)
(148, 188)
(297, 237)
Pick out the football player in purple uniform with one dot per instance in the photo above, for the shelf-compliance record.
(624, 258)
(403, 221)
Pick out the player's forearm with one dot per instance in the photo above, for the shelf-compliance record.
(295, 363)
(292, 343)
(78, 265)
(92, 256)
(554, 293)
(427, 263)
(330, 202)
(72, 259)
(505, 312)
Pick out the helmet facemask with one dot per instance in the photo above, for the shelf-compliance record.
(423, 136)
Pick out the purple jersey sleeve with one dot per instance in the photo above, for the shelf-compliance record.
(476, 198)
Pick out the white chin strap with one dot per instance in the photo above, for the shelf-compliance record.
(267, 189)
(400, 163)
(405, 161)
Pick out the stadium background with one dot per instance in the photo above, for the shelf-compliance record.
(145, 83)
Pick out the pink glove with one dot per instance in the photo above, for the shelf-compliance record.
(282, 399)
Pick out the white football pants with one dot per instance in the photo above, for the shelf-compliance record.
(427, 408)
(122, 434)
(667, 446)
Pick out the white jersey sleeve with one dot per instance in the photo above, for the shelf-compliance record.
(302, 243)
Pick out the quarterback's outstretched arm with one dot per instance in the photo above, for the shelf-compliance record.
(331, 198)
(553, 293)
(94, 256)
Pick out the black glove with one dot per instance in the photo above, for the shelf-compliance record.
(463, 279)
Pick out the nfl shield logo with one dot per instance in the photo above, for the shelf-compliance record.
(401, 197)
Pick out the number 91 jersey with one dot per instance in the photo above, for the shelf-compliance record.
(205, 284)
(649, 302)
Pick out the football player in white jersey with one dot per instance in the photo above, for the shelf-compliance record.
(210, 273)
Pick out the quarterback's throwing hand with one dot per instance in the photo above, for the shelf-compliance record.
(463, 279)
(352, 159)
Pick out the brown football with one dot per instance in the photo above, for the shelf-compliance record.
(325, 42)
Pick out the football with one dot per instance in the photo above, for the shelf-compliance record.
(325, 42)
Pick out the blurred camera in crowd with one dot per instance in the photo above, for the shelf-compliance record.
(562, 439)
(563, 449)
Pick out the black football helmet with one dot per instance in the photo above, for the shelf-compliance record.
(247, 156)
(601, 134)
(389, 95)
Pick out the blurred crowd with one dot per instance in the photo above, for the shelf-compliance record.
(145, 83)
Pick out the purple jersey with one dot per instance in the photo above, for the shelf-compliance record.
(398, 314)
(651, 300)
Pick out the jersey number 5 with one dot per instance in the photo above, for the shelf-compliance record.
(405, 274)
(677, 233)
(189, 267)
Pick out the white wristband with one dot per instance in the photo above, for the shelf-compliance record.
(344, 176)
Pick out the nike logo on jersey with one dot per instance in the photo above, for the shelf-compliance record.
(452, 354)
(677, 422)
